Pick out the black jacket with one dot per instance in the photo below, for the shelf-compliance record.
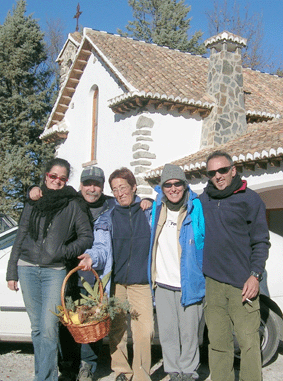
(68, 236)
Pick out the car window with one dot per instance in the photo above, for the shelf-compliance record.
(7, 239)
(6, 223)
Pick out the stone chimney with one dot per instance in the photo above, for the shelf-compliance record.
(225, 84)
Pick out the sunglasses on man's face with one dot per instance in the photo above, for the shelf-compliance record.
(222, 171)
(55, 177)
(176, 185)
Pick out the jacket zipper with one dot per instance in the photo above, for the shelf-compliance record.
(131, 244)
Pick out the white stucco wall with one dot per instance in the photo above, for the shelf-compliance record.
(114, 141)
(174, 136)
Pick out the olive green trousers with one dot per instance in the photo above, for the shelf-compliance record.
(224, 314)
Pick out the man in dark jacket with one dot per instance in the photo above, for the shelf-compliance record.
(91, 189)
(235, 250)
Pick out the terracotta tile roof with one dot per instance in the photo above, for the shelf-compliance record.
(263, 92)
(77, 36)
(156, 69)
(152, 68)
(151, 73)
(262, 144)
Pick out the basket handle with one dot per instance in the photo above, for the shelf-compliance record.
(64, 286)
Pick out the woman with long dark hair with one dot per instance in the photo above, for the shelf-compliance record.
(52, 231)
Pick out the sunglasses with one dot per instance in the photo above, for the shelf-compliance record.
(222, 171)
(176, 185)
(55, 177)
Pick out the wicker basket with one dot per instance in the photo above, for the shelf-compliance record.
(89, 332)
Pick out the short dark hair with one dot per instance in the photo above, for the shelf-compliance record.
(57, 161)
(123, 173)
(219, 153)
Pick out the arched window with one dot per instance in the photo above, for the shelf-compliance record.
(94, 124)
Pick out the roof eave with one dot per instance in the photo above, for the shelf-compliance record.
(137, 99)
(66, 93)
(250, 162)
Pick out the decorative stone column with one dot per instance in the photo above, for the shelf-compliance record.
(225, 83)
(141, 153)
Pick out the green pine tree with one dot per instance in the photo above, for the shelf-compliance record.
(163, 22)
(25, 102)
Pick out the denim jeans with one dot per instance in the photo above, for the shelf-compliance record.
(41, 288)
(90, 352)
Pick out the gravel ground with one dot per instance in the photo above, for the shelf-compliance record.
(16, 364)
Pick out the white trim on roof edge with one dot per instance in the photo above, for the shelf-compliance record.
(171, 98)
(237, 159)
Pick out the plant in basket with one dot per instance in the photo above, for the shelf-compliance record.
(92, 312)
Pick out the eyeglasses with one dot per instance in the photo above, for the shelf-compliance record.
(222, 171)
(121, 189)
(178, 184)
(55, 177)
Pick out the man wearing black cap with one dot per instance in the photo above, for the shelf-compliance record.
(91, 188)
(176, 276)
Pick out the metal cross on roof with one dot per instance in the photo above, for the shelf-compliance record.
(77, 15)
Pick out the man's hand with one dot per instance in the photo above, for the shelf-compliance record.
(250, 289)
(145, 204)
(85, 262)
(13, 285)
(35, 193)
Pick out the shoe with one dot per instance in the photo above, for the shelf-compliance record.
(67, 376)
(85, 373)
(121, 377)
(187, 377)
(175, 376)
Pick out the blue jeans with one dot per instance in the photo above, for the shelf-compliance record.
(90, 352)
(41, 288)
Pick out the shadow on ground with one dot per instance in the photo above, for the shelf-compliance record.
(157, 371)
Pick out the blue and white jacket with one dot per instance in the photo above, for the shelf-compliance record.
(101, 251)
(130, 238)
(191, 238)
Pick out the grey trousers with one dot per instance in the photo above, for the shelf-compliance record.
(178, 332)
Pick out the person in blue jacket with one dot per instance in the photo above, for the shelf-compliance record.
(175, 271)
(125, 237)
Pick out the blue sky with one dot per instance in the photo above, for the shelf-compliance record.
(108, 15)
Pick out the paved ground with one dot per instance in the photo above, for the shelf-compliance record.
(16, 364)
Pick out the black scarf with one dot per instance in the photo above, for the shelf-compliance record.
(51, 202)
(213, 192)
(177, 205)
(97, 204)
